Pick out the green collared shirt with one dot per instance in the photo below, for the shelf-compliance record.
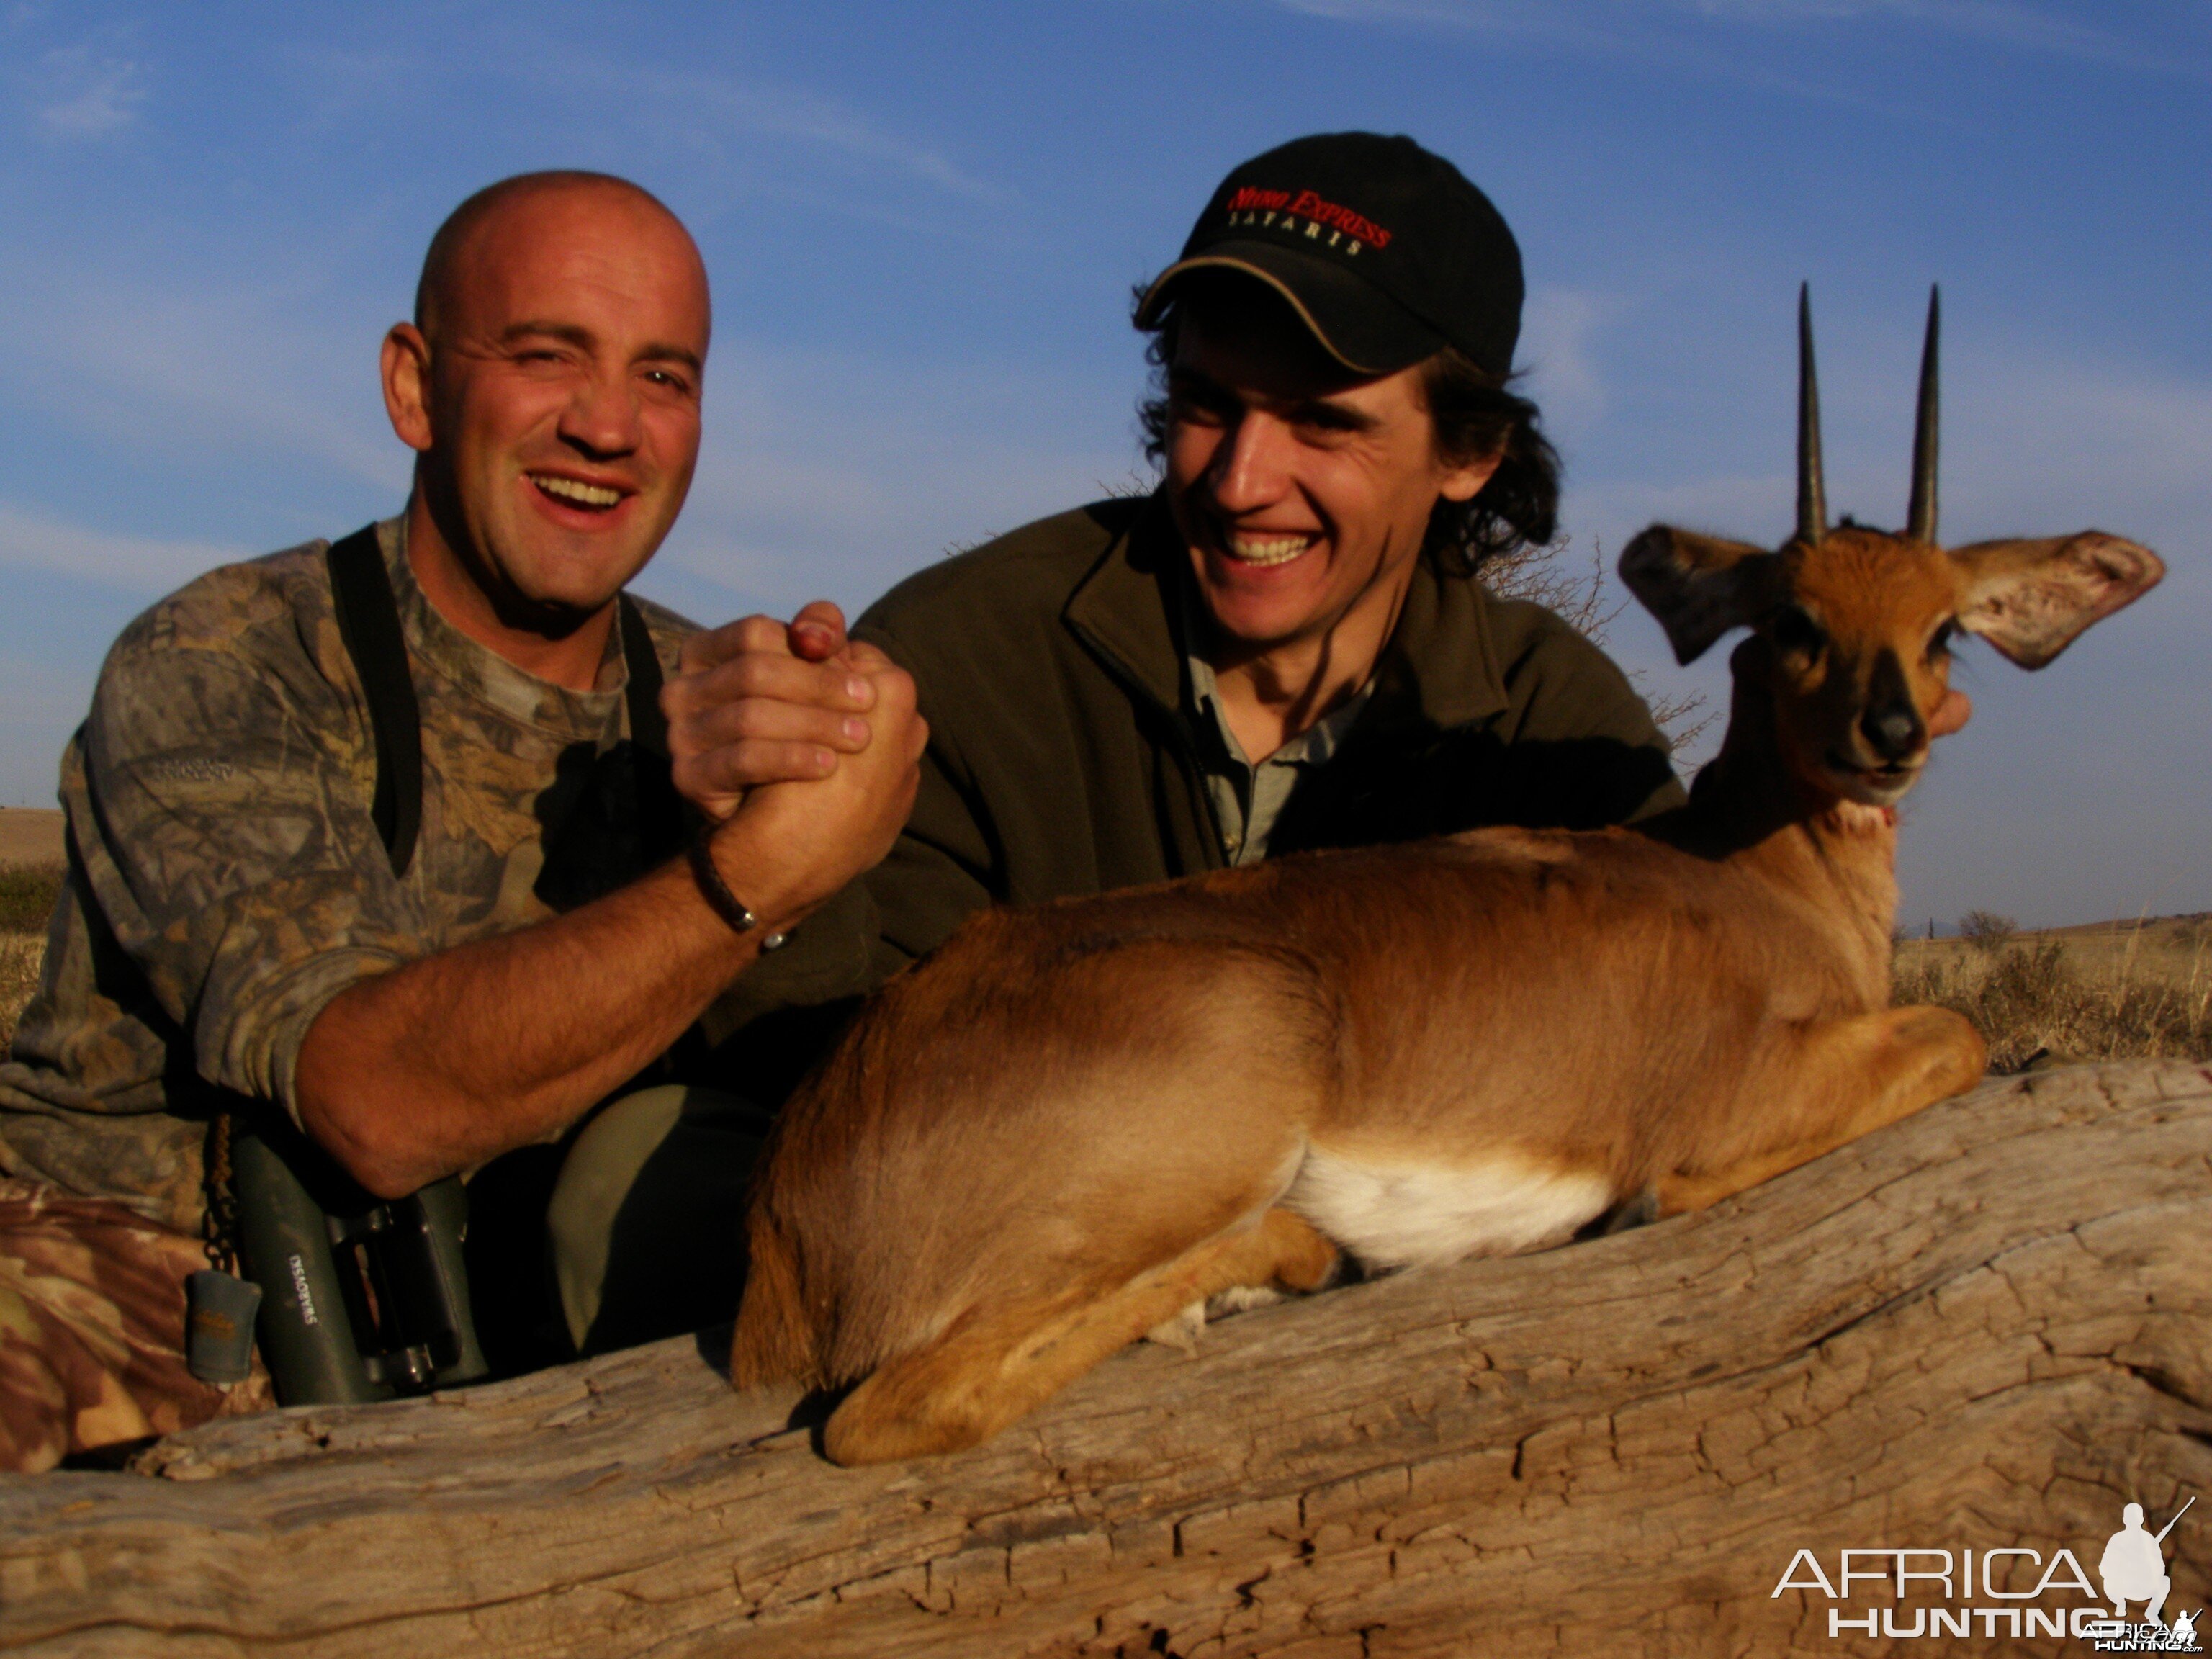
(1248, 796)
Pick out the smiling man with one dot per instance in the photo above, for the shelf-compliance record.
(1288, 645)
(374, 837)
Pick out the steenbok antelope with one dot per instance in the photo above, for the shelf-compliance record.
(1072, 1121)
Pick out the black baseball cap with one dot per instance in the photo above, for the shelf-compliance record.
(1384, 249)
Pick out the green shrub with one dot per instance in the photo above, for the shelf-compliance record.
(1985, 930)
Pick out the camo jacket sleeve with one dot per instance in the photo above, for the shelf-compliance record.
(224, 831)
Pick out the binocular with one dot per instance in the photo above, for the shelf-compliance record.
(362, 1298)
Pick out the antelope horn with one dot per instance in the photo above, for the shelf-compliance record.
(1812, 491)
(1920, 517)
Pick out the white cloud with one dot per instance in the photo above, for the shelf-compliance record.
(690, 105)
(1616, 23)
(82, 92)
(1741, 505)
(2042, 440)
(32, 538)
(2032, 27)
(1559, 339)
(2035, 443)
(839, 473)
(162, 366)
(688, 110)
(40, 706)
(792, 113)
(1561, 20)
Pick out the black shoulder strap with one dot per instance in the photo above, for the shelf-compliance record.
(659, 810)
(648, 727)
(368, 624)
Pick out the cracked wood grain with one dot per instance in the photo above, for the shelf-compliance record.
(1994, 1319)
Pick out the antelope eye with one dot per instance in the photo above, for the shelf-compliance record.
(1939, 643)
(1795, 632)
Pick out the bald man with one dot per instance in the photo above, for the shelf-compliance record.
(377, 839)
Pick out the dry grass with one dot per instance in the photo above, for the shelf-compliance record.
(2109, 993)
(1576, 591)
(26, 899)
(27, 892)
(19, 957)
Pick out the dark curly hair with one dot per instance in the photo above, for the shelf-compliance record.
(1475, 417)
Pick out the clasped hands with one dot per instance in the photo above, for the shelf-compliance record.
(802, 745)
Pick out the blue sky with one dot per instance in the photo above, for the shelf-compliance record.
(923, 221)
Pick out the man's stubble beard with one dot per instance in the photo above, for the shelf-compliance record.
(488, 572)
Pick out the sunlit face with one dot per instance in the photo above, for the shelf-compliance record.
(564, 397)
(1301, 488)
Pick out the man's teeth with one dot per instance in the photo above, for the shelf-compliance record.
(570, 489)
(1267, 549)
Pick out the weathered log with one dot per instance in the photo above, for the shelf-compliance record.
(1989, 1326)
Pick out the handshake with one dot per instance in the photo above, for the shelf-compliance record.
(802, 745)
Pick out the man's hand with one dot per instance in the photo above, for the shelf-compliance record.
(758, 702)
(1952, 712)
(790, 844)
(461, 1055)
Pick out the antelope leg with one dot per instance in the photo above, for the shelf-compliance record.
(986, 1371)
(1848, 1078)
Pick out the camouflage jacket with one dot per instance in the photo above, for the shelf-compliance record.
(225, 880)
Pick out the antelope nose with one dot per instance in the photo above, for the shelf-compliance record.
(1893, 731)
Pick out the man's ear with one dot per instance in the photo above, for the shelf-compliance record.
(1699, 587)
(405, 366)
(2031, 598)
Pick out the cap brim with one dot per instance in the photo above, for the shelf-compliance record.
(1356, 322)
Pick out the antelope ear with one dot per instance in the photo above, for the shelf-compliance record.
(1698, 586)
(2032, 599)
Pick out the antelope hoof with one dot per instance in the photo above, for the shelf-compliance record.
(1181, 1333)
(1241, 1298)
(862, 1431)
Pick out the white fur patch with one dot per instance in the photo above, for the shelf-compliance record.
(1407, 1215)
(1241, 1298)
(1181, 1332)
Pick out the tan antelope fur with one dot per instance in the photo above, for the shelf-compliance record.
(1075, 1121)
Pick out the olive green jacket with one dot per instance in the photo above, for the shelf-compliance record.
(1059, 761)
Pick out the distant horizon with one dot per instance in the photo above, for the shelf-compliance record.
(923, 223)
